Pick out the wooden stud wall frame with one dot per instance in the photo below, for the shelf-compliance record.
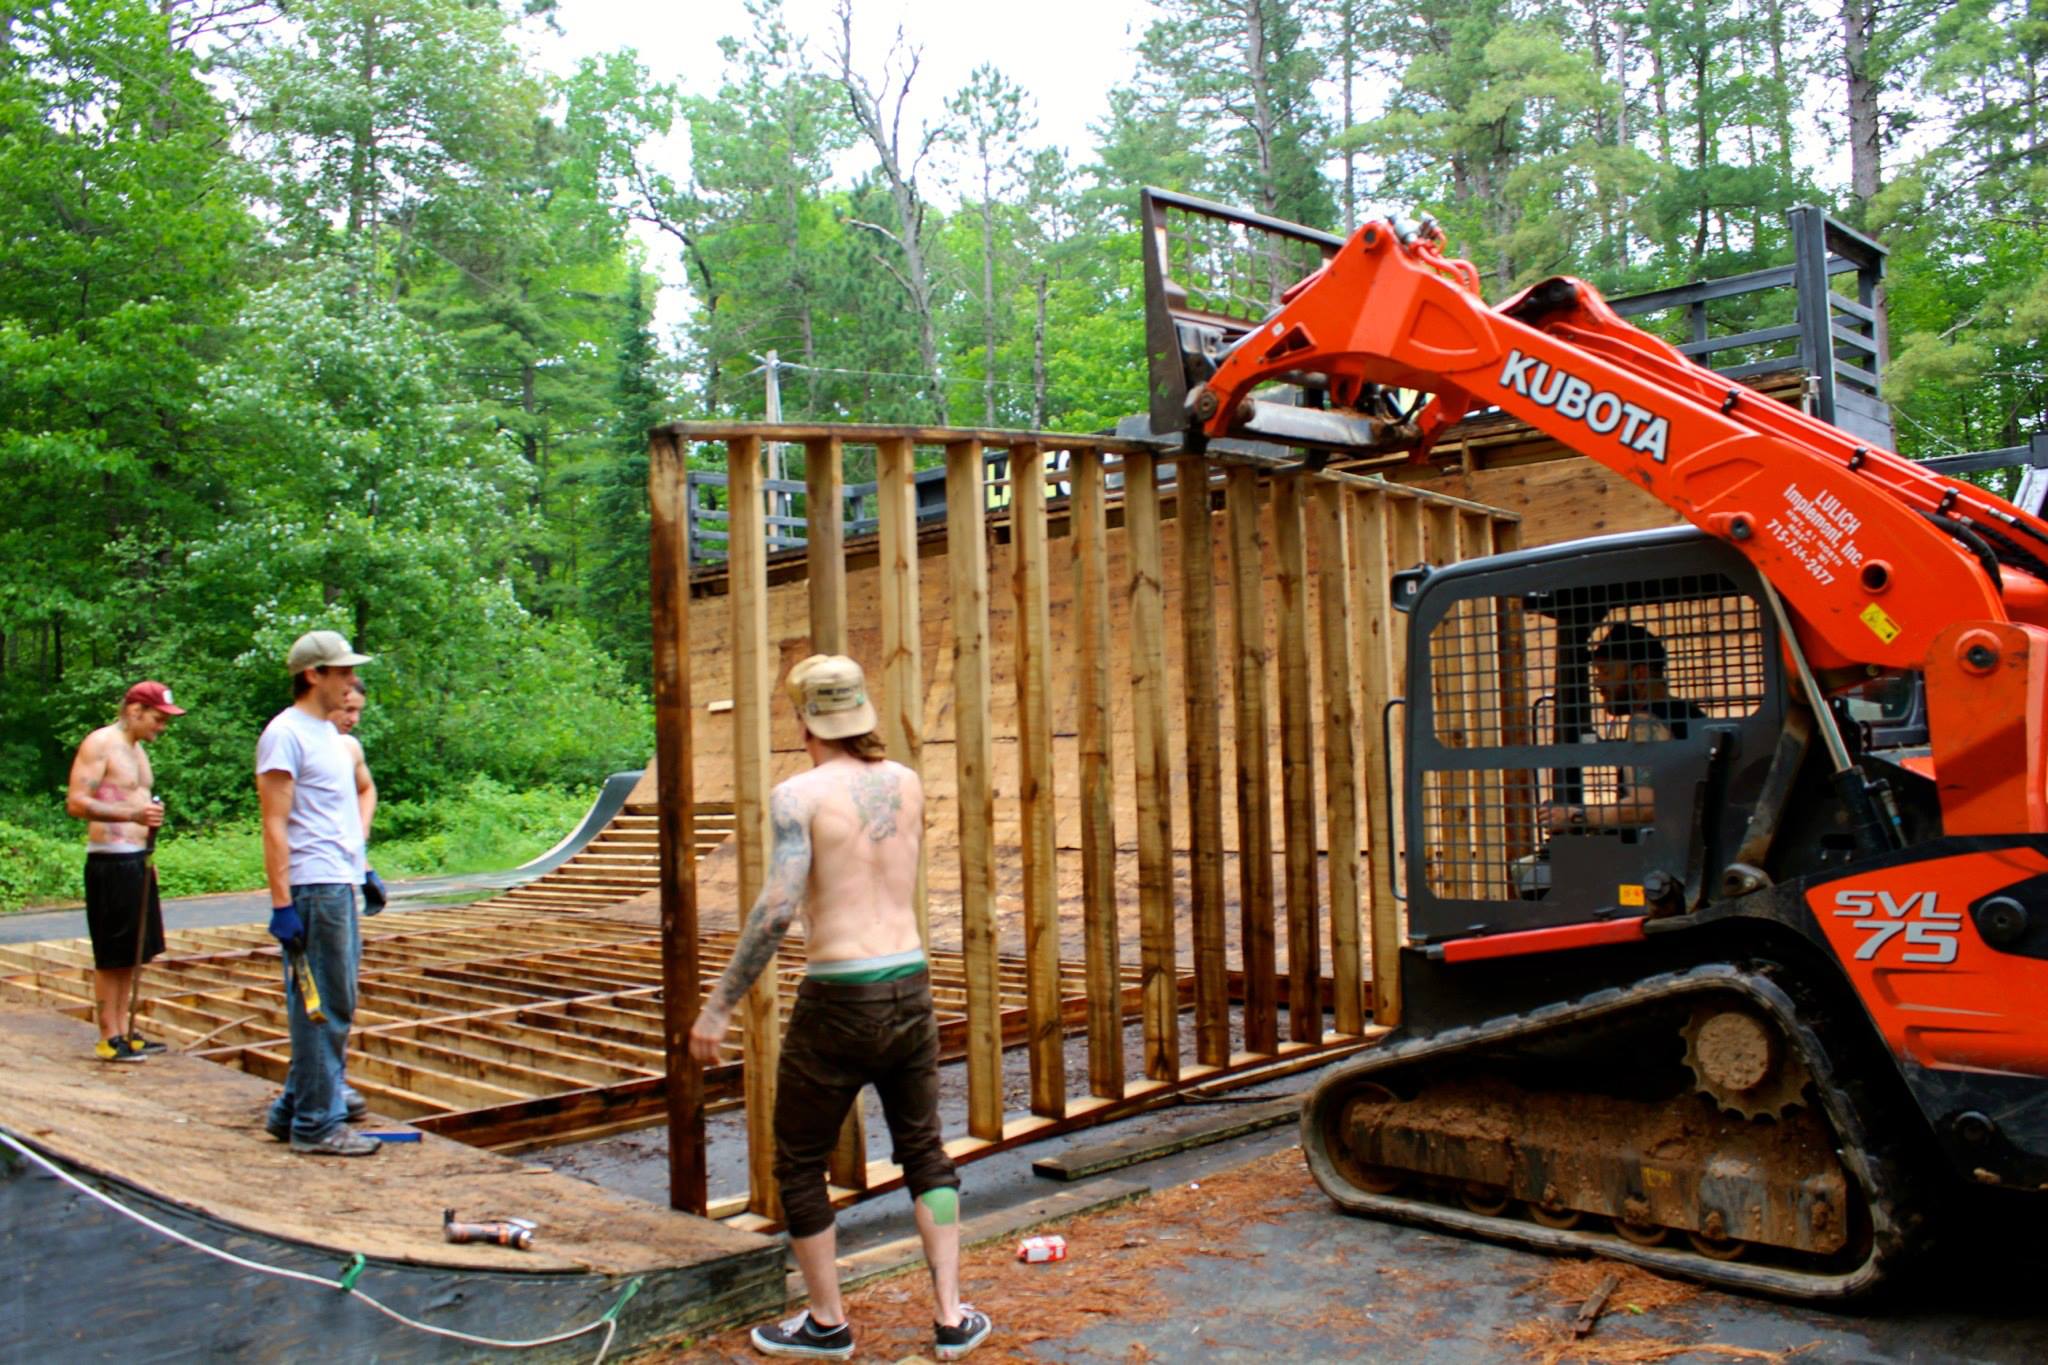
(1091, 812)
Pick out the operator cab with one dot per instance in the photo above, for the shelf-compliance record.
(1588, 727)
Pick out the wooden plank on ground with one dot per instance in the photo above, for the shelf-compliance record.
(1035, 782)
(753, 666)
(1297, 765)
(967, 564)
(669, 595)
(1377, 624)
(825, 575)
(1098, 819)
(1339, 746)
(902, 670)
(1254, 772)
(1199, 675)
(1205, 1130)
(1149, 733)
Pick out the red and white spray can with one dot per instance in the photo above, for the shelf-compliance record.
(1034, 1250)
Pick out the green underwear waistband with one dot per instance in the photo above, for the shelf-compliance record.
(861, 971)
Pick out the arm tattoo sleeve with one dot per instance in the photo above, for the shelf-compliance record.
(789, 869)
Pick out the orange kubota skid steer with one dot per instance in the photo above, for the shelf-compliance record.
(1695, 975)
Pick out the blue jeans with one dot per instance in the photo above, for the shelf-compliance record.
(315, 1098)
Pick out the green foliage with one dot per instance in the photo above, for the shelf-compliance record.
(35, 866)
(482, 827)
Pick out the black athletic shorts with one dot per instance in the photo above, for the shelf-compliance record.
(115, 885)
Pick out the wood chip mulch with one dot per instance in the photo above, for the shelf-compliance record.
(1549, 1338)
(1115, 1262)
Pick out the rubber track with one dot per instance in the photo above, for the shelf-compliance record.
(1875, 1167)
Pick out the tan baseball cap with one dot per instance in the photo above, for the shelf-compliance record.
(831, 694)
(321, 649)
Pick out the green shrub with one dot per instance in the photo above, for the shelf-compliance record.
(484, 827)
(37, 868)
(225, 858)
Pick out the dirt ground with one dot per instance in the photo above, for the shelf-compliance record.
(1250, 1262)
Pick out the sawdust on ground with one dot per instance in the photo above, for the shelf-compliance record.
(1116, 1265)
(1569, 1284)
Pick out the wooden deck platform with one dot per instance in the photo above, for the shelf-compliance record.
(182, 1141)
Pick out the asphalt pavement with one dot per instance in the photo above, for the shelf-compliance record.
(248, 907)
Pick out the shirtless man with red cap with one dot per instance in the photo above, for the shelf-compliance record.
(110, 791)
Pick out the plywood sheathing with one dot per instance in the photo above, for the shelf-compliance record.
(192, 1133)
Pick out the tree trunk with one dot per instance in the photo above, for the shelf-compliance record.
(1348, 39)
(988, 298)
(1038, 415)
(1660, 96)
(1866, 165)
(1263, 123)
(882, 134)
(1781, 87)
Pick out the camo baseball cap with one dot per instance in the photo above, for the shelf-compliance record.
(831, 694)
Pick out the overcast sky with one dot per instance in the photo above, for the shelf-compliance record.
(1067, 53)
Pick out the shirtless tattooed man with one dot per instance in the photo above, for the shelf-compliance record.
(845, 844)
(110, 791)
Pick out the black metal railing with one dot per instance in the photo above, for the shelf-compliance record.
(1836, 340)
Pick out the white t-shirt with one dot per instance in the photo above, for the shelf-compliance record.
(325, 830)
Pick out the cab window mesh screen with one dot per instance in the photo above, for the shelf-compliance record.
(1480, 831)
(1574, 672)
(1500, 669)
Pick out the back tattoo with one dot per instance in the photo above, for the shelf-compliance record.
(878, 795)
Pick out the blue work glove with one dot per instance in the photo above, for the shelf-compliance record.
(286, 928)
(374, 895)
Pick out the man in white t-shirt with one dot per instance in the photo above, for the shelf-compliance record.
(313, 860)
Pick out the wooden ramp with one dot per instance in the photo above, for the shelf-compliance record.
(182, 1142)
(621, 861)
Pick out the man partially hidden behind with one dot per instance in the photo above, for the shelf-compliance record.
(345, 720)
(1629, 668)
(846, 838)
(313, 860)
(110, 791)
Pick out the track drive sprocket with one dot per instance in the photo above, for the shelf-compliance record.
(1738, 1059)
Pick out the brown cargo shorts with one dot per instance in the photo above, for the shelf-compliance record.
(841, 1037)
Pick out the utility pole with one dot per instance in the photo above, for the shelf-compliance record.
(771, 365)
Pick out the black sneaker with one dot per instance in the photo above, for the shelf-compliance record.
(116, 1050)
(801, 1337)
(953, 1343)
(146, 1046)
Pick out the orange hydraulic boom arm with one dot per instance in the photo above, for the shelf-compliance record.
(1883, 566)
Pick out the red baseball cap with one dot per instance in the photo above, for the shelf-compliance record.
(154, 695)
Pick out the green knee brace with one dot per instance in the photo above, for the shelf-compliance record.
(943, 1204)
